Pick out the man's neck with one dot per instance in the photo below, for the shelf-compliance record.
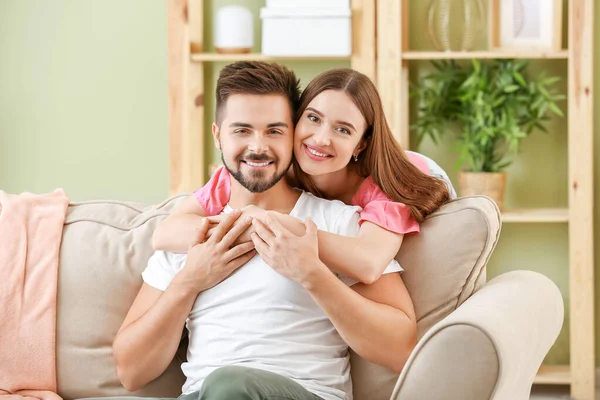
(281, 197)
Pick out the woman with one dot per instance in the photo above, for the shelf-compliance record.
(344, 150)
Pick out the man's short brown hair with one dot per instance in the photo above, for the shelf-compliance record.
(256, 77)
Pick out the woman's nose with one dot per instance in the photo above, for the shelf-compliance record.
(321, 136)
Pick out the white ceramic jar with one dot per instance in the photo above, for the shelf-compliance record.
(233, 30)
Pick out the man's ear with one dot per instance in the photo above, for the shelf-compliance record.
(216, 135)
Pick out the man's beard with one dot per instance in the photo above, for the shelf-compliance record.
(257, 182)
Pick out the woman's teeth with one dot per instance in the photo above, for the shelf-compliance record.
(316, 153)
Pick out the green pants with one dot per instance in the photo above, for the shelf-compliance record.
(241, 383)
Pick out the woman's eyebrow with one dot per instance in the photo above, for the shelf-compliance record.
(315, 111)
(348, 124)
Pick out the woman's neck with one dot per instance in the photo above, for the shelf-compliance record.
(340, 185)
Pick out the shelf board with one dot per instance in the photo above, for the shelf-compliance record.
(537, 215)
(216, 57)
(450, 55)
(553, 375)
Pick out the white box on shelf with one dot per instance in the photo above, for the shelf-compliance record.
(310, 32)
(308, 3)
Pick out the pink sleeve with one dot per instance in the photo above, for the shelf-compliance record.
(382, 211)
(214, 196)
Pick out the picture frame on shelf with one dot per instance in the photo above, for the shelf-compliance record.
(525, 25)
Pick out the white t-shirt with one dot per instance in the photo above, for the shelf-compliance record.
(257, 318)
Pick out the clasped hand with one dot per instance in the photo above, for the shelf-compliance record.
(228, 241)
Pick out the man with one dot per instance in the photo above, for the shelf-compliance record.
(255, 333)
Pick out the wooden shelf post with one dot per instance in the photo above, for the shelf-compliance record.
(581, 202)
(186, 96)
(392, 70)
(363, 57)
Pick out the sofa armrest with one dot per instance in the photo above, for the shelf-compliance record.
(491, 347)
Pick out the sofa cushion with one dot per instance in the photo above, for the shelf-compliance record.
(105, 247)
(444, 265)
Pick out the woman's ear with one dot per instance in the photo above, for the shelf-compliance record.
(360, 147)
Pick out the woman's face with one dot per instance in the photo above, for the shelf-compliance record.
(329, 133)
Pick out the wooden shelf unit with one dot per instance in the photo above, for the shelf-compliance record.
(393, 83)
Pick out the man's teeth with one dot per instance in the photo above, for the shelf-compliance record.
(253, 164)
(316, 153)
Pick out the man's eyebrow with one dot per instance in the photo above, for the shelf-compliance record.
(240, 125)
(278, 124)
(271, 125)
(338, 122)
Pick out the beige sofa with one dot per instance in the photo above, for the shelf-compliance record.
(478, 340)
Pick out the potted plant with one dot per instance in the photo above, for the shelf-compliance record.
(496, 106)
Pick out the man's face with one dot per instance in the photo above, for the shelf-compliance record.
(256, 139)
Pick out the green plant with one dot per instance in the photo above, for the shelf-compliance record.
(494, 102)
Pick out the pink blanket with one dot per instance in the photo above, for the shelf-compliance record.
(30, 234)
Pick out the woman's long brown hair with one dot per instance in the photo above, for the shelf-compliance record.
(383, 159)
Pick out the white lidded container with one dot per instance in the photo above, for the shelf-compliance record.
(306, 31)
(233, 30)
(308, 3)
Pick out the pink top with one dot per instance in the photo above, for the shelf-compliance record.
(377, 207)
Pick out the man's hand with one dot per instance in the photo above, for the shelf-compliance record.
(209, 263)
(295, 257)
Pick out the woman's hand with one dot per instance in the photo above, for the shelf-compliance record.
(295, 257)
(248, 211)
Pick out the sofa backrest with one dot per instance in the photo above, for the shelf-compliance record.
(106, 245)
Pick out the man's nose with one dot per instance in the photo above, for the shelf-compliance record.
(258, 144)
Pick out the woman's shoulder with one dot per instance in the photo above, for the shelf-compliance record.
(367, 192)
(380, 210)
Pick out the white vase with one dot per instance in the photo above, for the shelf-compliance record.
(233, 30)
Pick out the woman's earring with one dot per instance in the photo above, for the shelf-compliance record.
(356, 158)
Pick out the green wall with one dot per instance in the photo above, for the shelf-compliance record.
(83, 106)
(83, 98)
